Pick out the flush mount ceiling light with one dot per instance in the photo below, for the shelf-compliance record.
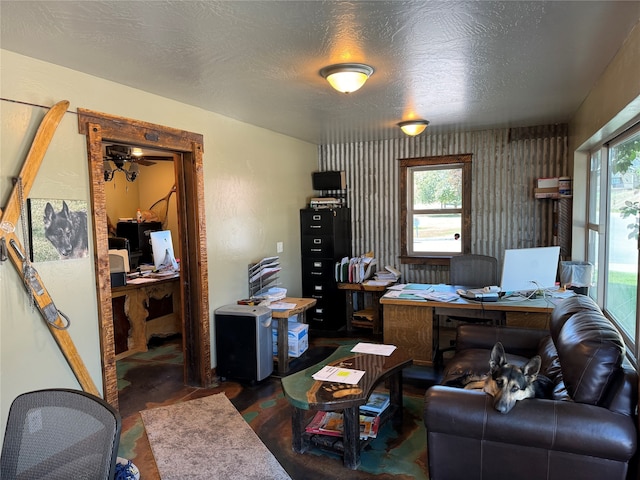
(413, 127)
(347, 77)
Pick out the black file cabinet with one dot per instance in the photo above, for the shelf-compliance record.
(325, 239)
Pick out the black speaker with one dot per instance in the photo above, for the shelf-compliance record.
(331, 180)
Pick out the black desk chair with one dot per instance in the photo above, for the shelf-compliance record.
(469, 271)
(60, 434)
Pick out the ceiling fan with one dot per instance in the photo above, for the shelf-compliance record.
(122, 154)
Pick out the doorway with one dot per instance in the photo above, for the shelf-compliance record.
(99, 128)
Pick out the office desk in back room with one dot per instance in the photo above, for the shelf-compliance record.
(408, 324)
(144, 310)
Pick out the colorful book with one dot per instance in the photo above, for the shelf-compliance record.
(376, 403)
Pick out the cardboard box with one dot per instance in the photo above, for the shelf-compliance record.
(551, 182)
(298, 335)
(551, 192)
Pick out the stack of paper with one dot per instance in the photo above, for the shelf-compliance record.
(330, 373)
(389, 274)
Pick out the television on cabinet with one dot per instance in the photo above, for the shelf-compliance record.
(527, 269)
(162, 247)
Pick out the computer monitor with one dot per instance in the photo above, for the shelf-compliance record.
(527, 269)
(162, 247)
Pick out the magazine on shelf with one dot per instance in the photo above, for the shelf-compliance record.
(331, 423)
(376, 404)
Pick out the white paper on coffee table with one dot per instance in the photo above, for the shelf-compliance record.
(374, 348)
(330, 373)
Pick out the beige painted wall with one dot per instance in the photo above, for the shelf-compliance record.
(255, 183)
(612, 106)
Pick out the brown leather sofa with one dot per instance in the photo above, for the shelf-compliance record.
(587, 431)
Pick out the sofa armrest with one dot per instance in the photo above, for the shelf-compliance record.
(546, 424)
(517, 341)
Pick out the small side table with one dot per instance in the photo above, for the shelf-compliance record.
(302, 305)
(373, 315)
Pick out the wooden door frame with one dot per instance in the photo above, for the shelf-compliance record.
(194, 288)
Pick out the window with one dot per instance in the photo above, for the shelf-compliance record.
(435, 208)
(614, 216)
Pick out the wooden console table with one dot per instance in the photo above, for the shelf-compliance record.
(283, 316)
(367, 317)
(143, 310)
(306, 394)
(409, 324)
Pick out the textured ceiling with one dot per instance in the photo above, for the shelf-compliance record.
(461, 65)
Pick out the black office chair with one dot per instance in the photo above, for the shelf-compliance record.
(60, 434)
(469, 271)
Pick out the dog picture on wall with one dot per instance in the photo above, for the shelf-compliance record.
(58, 229)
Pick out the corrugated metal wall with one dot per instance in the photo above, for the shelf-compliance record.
(505, 214)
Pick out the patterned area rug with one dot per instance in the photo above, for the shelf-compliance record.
(207, 438)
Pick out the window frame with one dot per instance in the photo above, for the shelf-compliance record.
(406, 193)
(599, 230)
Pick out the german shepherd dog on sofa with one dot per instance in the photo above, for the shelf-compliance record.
(507, 383)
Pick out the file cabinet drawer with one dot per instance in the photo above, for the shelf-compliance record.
(318, 268)
(317, 289)
(317, 222)
(317, 246)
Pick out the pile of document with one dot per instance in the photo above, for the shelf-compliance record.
(389, 274)
(356, 269)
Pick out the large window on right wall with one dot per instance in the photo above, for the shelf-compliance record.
(613, 223)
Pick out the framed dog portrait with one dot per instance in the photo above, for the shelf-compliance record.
(57, 229)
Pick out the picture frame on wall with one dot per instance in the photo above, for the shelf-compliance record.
(57, 229)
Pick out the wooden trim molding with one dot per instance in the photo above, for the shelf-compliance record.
(194, 288)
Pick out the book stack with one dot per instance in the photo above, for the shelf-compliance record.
(331, 423)
(376, 404)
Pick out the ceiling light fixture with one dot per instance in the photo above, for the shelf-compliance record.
(131, 174)
(413, 127)
(120, 156)
(347, 77)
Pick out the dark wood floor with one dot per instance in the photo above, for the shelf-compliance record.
(155, 378)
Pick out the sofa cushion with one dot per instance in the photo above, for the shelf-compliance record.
(550, 368)
(589, 347)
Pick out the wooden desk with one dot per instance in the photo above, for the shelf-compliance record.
(408, 324)
(306, 394)
(367, 317)
(302, 305)
(141, 311)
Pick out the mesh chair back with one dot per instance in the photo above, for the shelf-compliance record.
(60, 434)
(473, 271)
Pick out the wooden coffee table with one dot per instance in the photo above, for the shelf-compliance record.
(308, 395)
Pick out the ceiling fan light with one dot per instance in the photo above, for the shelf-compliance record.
(347, 77)
(413, 127)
